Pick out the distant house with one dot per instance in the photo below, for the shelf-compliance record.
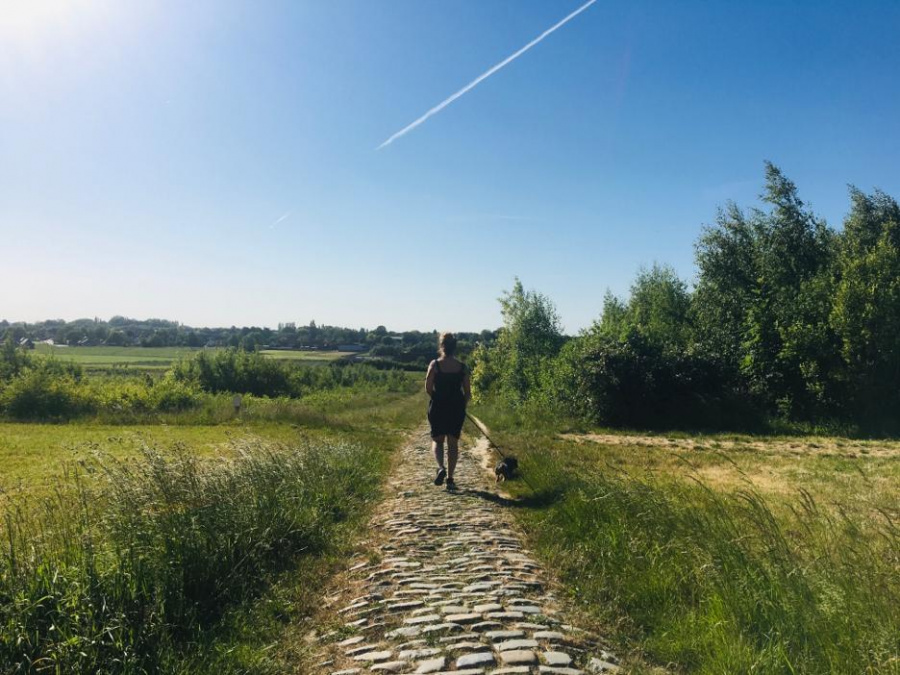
(351, 348)
(26, 343)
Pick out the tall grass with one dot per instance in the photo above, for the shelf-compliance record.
(127, 565)
(717, 582)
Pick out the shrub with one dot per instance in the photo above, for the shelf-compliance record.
(635, 382)
(172, 395)
(39, 393)
(234, 370)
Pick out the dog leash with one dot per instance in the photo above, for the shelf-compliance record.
(478, 423)
(483, 429)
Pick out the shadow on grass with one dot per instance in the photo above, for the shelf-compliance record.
(540, 499)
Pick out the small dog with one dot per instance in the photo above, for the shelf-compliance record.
(506, 468)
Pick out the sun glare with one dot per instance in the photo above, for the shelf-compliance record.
(26, 22)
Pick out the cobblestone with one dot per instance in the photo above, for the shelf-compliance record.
(448, 586)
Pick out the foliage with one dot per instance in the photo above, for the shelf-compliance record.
(42, 388)
(763, 299)
(866, 311)
(658, 310)
(635, 382)
(12, 359)
(788, 321)
(234, 370)
(530, 338)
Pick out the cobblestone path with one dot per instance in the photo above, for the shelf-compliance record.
(448, 587)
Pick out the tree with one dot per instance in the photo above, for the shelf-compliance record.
(658, 309)
(116, 338)
(725, 255)
(12, 359)
(866, 312)
(763, 300)
(530, 337)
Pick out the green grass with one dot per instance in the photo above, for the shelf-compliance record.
(33, 455)
(99, 358)
(716, 555)
(292, 355)
(160, 358)
(183, 548)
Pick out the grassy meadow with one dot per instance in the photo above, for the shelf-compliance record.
(161, 358)
(140, 537)
(193, 541)
(101, 358)
(294, 355)
(720, 553)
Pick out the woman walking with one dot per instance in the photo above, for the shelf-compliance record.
(449, 387)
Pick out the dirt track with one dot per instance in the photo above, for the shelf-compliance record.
(799, 446)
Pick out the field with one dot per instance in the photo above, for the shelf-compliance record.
(150, 526)
(235, 523)
(160, 358)
(705, 554)
(861, 473)
(34, 455)
(720, 553)
(292, 355)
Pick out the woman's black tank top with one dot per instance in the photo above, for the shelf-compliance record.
(448, 386)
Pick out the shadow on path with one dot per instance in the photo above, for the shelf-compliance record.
(534, 501)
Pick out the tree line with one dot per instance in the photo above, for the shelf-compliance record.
(415, 347)
(788, 320)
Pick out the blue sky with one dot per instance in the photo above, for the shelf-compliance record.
(214, 162)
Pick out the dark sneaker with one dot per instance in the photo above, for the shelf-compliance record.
(441, 475)
(451, 484)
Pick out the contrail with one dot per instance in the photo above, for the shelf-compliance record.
(478, 80)
(283, 217)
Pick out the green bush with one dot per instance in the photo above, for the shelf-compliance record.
(633, 382)
(252, 373)
(172, 395)
(234, 370)
(40, 393)
(790, 322)
(49, 390)
(12, 359)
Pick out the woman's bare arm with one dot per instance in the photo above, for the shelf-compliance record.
(467, 386)
(429, 379)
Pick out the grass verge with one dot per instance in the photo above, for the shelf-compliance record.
(172, 562)
(709, 580)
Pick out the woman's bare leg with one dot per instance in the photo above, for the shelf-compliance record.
(437, 444)
(452, 455)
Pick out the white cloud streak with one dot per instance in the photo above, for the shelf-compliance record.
(284, 217)
(481, 78)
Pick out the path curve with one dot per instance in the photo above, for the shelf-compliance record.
(448, 586)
